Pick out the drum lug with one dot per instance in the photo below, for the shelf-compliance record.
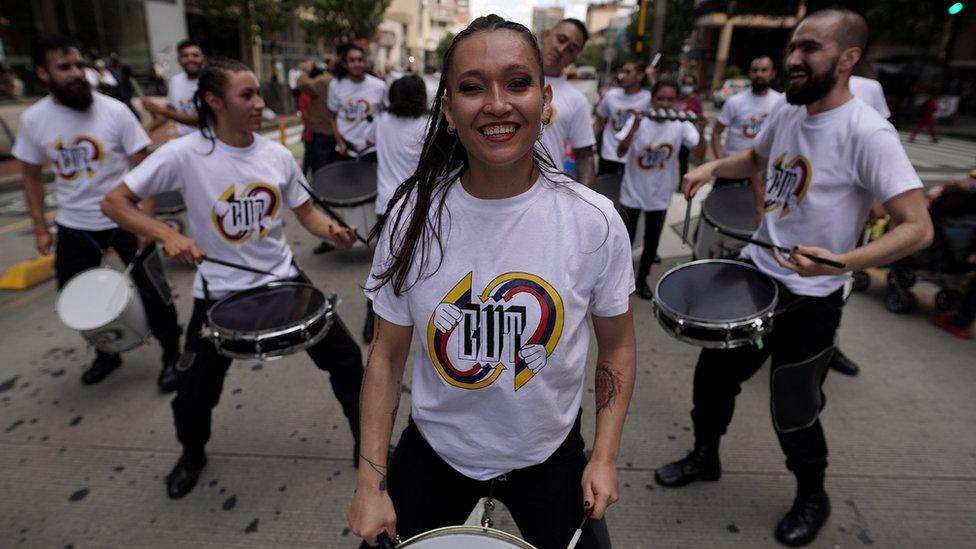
(333, 299)
(258, 347)
(680, 327)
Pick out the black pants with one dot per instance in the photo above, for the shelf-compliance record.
(546, 500)
(653, 225)
(609, 166)
(321, 151)
(203, 382)
(800, 333)
(79, 250)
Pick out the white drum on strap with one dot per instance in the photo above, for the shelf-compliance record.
(467, 537)
(105, 307)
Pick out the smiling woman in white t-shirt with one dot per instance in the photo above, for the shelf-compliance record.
(234, 184)
(495, 260)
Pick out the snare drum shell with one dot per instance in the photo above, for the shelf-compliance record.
(466, 537)
(105, 307)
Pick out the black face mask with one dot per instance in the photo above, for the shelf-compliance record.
(816, 87)
(75, 95)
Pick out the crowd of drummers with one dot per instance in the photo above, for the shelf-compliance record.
(501, 214)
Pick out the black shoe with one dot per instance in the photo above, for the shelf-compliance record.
(100, 368)
(841, 363)
(802, 523)
(322, 248)
(700, 464)
(169, 376)
(644, 291)
(181, 480)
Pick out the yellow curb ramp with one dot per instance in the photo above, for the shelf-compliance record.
(26, 274)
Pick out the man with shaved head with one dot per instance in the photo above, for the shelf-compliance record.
(826, 155)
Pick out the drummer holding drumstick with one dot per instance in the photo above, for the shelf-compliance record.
(827, 155)
(649, 151)
(495, 259)
(92, 140)
(235, 184)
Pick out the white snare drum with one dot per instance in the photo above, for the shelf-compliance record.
(104, 305)
(466, 537)
(349, 188)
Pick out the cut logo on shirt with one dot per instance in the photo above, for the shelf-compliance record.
(653, 157)
(355, 110)
(787, 184)
(253, 212)
(753, 125)
(516, 323)
(84, 154)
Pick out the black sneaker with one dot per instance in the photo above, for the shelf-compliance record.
(169, 377)
(702, 463)
(802, 523)
(841, 363)
(100, 368)
(644, 291)
(181, 480)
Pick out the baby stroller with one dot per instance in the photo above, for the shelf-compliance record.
(944, 263)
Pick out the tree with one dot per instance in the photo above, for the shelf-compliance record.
(337, 21)
(442, 45)
(592, 55)
(679, 21)
(256, 18)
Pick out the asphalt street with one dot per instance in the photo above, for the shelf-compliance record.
(84, 466)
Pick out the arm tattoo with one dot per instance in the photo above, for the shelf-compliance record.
(607, 386)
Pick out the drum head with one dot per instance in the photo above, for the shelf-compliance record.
(716, 291)
(276, 306)
(608, 185)
(169, 202)
(468, 537)
(93, 298)
(346, 183)
(732, 208)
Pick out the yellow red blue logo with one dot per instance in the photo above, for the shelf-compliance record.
(82, 154)
(514, 324)
(238, 217)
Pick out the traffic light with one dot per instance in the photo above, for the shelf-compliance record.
(955, 8)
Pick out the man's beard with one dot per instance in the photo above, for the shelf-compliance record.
(760, 86)
(73, 96)
(815, 88)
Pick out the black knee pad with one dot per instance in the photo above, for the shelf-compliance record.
(795, 392)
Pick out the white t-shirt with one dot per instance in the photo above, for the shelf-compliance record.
(518, 276)
(90, 150)
(617, 107)
(744, 114)
(398, 145)
(570, 121)
(234, 198)
(356, 106)
(870, 92)
(651, 163)
(824, 171)
(180, 97)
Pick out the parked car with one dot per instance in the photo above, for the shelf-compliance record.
(729, 88)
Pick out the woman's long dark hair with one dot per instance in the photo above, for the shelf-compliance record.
(408, 97)
(442, 160)
(214, 79)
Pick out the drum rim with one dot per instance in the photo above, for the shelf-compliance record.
(280, 353)
(340, 203)
(468, 529)
(723, 226)
(765, 327)
(259, 335)
(705, 323)
(129, 289)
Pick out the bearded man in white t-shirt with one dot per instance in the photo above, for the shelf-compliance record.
(92, 140)
(180, 91)
(570, 119)
(829, 155)
(745, 114)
